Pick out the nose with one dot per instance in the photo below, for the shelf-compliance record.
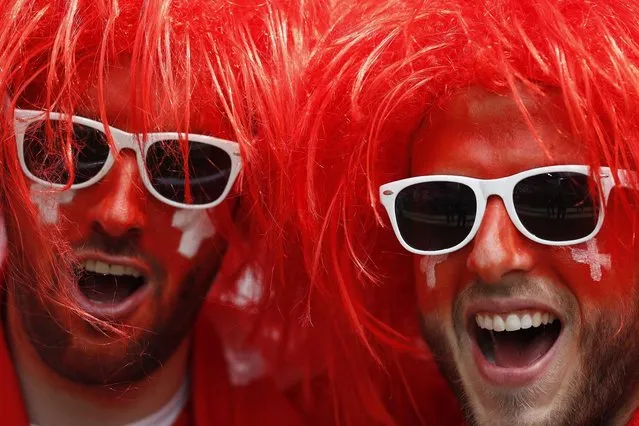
(120, 208)
(499, 248)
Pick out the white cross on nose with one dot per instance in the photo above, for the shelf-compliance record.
(591, 256)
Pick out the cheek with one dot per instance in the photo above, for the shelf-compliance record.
(427, 268)
(598, 272)
(174, 237)
(48, 202)
(194, 227)
(186, 241)
(589, 254)
(436, 278)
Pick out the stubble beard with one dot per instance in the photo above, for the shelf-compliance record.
(604, 386)
(143, 355)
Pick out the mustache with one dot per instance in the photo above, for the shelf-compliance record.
(116, 246)
(521, 286)
(511, 285)
(125, 246)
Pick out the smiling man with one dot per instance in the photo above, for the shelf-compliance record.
(485, 169)
(522, 307)
(127, 120)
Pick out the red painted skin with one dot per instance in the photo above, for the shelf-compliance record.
(385, 68)
(492, 144)
(485, 136)
(119, 205)
(192, 48)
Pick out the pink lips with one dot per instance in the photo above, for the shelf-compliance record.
(111, 311)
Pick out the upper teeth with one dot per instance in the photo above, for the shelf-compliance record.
(514, 321)
(106, 268)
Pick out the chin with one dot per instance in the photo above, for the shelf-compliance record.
(88, 353)
(88, 356)
(534, 360)
(517, 376)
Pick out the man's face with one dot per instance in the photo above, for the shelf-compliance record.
(579, 367)
(145, 267)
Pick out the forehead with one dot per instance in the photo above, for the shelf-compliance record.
(132, 109)
(483, 134)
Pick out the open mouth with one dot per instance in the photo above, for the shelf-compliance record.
(101, 282)
(517, 339)
(110, 288)
(514, 347)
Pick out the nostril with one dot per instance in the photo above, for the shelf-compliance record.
(115, 232)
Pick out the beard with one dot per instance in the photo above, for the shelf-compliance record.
(597, 394)
(137, 355)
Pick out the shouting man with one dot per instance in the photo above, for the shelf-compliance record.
(126, 123)
(501, 139)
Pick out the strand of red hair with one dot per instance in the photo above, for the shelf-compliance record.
(370, 85)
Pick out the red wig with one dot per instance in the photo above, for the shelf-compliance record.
(377, 74)
(234, 60)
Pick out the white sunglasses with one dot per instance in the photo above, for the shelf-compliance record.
(555, 205)
(213, 163)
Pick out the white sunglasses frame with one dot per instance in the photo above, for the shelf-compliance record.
(503, 188)
(124, 140)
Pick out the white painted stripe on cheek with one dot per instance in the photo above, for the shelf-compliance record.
(196, 226)
(591, 256)
(48, 201)
(427, 266)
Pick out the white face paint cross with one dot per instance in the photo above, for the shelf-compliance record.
(48, 201)
(196, 227)
(427, 266)
(248, 290)
(591, 256)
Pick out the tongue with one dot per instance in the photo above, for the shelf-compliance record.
(106, 288)
(513, 351)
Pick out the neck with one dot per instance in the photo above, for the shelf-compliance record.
(51, 399)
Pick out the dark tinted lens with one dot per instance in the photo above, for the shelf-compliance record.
(45, 147)
(209, 171)
(435, 215)
(557, 206)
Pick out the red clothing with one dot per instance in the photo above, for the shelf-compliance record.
(213, 400)
(634, 420)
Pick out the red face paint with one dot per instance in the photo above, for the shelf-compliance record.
(487, 138)
(144, 267)
(501, 273)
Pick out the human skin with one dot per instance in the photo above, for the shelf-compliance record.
(119, 222)
(588, 376)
